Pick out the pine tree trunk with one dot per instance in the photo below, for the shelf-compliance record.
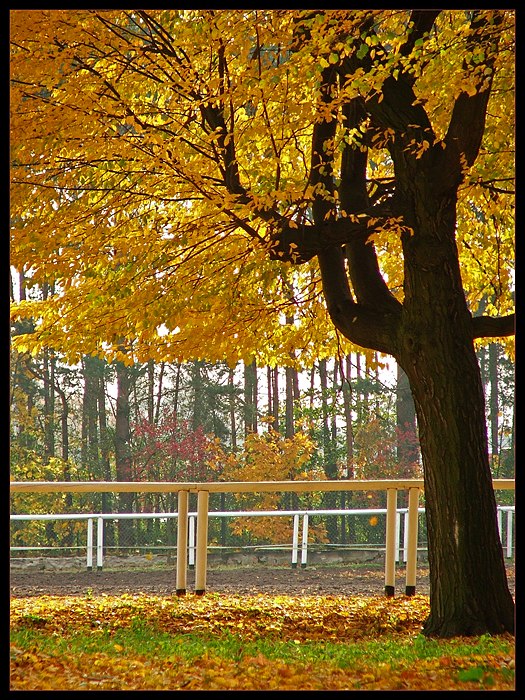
(233, 422)
(349, 435)
(291, 382)
(289, 430)
(494, 407)
(250, 398)
(49, 404)
(151, 391)
(275, 400)
(197, 414)
(407, 452)
(123, 452)
(89, 440)
(107, 498)
(329, 464)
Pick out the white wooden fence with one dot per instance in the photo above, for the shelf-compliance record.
(203, 490)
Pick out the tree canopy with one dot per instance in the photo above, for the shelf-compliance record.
(167, 176)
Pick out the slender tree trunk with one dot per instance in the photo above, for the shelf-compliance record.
(289, 429)
(329, 463)
(362, 400)
(347, 403)
(273, 396)
(49, 404)
(107, 498)
(494, 407)
(151, 391)
(346, 496)
(233, 423)
(64, 433)
(197, 414)
(158, 403)
(333, 415)
(176, 389)
(123, 452)
(89, 438)
(407, 447)
(275, 401)
(250, 398)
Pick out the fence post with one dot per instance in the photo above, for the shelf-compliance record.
(509, 533)
(405, 535)
(100, 543)
(398, 535)
(202, 542)
(413, 505)
(304, 543)
(390, 553)
(191, 542)
(89, 553)
(182, 542)
(295, 540)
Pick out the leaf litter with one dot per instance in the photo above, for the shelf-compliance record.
(340, 620)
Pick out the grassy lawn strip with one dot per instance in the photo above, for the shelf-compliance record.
(239, 642)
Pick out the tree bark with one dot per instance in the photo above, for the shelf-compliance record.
(494, 406)
(233, 422)
(250, 398)
(347, 403)
(275, 399)
(431, 332)
(123, 452)
(89, 439)
(329, 462)
(407, 449)
(469, 592)
(107, 498)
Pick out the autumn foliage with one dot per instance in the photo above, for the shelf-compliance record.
(171, 450)
(270, 456)
(295, 624)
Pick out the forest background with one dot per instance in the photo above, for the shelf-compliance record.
(343, 417)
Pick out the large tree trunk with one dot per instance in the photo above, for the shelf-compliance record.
(431, 333)
(468, 588)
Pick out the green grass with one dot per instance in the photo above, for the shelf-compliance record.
(146, 641)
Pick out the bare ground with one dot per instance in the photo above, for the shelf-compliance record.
(327, 580)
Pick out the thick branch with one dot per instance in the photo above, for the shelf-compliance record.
(467, 123)
(363, 267)
(298, 244)
(321, 170)
(493, 326)
(360, 323)
(421, 22)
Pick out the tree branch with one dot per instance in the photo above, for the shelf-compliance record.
(300, 243)
(362, 324)
(467, 123)
(493, 326)
(422, 22)
(363, 267)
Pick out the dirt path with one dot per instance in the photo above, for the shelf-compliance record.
(333, 580)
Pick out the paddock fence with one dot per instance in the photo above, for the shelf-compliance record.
(396, 532)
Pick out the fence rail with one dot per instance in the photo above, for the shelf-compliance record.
(203, 489)
(506, 534)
